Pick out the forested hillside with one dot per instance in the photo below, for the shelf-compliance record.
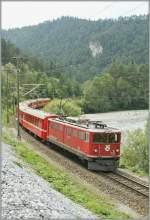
(111, 56)
(9, 50)
(32, 70)
(84, 48)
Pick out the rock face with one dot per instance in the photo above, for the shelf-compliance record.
(95, 48)
(26, 195)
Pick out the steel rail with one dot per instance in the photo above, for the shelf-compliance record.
(132, 178)
(130, 183)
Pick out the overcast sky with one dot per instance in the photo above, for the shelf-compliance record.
(19, 14)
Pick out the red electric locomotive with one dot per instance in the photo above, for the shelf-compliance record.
(92, 141)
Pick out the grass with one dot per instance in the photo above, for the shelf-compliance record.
(63, 182)
(133, 170)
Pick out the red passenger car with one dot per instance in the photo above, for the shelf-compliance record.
(35, 120)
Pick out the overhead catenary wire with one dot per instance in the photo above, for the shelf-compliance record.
(134, 9)
(112, 5)
(103, 9)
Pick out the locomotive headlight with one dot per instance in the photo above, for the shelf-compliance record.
(107, 147)
(95, 150)
(117, 150)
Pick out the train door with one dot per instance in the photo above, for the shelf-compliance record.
(84, 138)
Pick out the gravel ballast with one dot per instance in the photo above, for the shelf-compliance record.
(26, 195)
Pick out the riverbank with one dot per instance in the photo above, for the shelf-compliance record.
(123, 120)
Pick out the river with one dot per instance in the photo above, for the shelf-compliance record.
(123, 120)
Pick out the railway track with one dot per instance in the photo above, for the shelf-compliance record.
(115, 184)
(130, 182)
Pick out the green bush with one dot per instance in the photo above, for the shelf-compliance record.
(135, 152)
(69, 107)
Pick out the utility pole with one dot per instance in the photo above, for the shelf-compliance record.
(13, 102)
(7, 116)
(18, 95)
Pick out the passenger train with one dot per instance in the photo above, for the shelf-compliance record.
(92, 141)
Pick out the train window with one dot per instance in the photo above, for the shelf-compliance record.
(40, 123)
(37, 122)
(106, 138)
(69, 131)
(52, 125)
(87, 137)
(28, 117)
(34, 121)
(82, 135)
(75, 133)
(55, 126)
(113, 138)
(100, 138)
(60, 127)
(118, 138)
(31, 120)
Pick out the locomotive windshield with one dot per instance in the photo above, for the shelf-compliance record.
(106, 138)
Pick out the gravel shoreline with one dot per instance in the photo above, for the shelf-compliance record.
(26, 195)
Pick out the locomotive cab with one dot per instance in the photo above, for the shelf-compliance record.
(105, 147)
(106, 144)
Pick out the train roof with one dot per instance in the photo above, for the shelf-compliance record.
(92, 126)
(24, 107)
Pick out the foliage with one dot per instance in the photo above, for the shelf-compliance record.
(65, 182)
(123, 86)
(50, 86)
(66, 41)
(135, 152)
(69, 107)
(9, 50)
(63, 88)
(97, 94)
(120, 86)
(32, 71)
